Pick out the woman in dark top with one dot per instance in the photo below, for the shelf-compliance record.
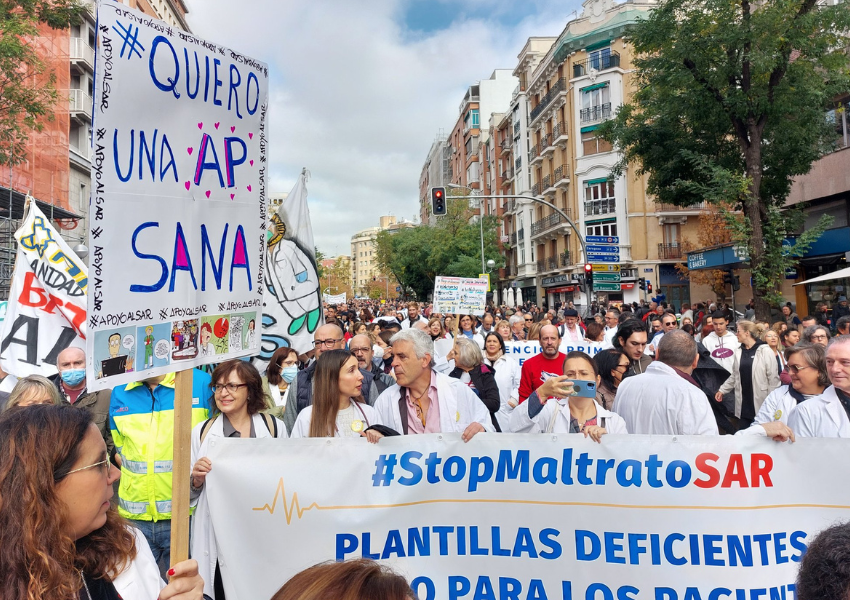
(469, 368)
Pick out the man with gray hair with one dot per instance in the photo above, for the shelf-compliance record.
(517, 322)
(816, 334)
(828, 415)
(425, 401)
(666, 399)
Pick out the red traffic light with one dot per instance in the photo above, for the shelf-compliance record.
(438, 193)
(588, 268)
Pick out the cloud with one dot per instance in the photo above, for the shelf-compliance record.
(359, 92)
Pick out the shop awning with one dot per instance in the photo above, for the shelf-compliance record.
(840, 274)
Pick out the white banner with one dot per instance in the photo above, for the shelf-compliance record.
(335, 299)
(178, 219)
(460, 295)
(523, 350)
(530, 516)
(47, 310)
(292, 308)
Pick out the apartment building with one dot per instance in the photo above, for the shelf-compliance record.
(364, 269)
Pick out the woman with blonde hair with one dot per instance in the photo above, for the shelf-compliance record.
(31, 390)
(503, 328)
(534, 331)
(754, 374)
(771, 338)
(338, 409)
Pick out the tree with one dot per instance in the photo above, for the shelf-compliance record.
(27, 93)
(730, 106)
(712, 230)
(338, 277)
(452, 247)
(320, 257)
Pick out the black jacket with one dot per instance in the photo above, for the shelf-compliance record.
(485, 385)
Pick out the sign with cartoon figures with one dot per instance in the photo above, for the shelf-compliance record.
(178, 216)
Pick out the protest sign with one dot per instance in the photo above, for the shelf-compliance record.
(48, 308)
(520, 351)
(292, 309)
(178, 220)
(459, 296)
(335, 299)
(530, 516)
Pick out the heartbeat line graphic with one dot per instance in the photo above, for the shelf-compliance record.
(292, 508)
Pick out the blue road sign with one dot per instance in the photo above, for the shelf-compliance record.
(603, 249)
(601, 239)
(603, 258)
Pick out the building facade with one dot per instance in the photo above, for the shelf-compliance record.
(363, 260)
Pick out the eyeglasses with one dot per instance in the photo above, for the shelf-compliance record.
(670, 323)
(104, 463)
(624, 367)
(230, 387)
(819, 337)
(794, 369)
(330, 343)
(528, 319)
(359, 350)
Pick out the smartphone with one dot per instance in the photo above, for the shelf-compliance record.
(585, 389)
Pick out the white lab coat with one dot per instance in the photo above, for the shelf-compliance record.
(522, 423)
(301, 429)
(141, 579)
(778, 406)
(459, 406)
(765, 378)
(661, 402)
(822, 416)
(406, 323)
(507, 377)
(608, 338)
(476, 337)
(204, 548)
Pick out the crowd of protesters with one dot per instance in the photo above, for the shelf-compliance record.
(381, 369)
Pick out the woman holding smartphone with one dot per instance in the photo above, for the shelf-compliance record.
(571, 407)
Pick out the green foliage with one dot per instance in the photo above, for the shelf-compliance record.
(320, 256)
(27, 93)
(452, 247)
(730, 106)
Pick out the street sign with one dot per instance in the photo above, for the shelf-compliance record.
(647, 270)
(603, 249)
(606, 287)
(599, 276)
(598, 268)
(601, 239)
(605, 258)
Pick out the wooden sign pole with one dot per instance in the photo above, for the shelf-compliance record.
(181, 467)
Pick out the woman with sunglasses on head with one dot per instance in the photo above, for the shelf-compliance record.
(338, 409)
(238, 393)
(806, 365)
(60, 535)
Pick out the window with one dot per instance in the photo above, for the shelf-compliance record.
(601, 228)
(600, 59)
(591, 144)
(595, 103)
(475, 121)
(599, 198)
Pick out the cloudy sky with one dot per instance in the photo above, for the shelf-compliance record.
(360, 89)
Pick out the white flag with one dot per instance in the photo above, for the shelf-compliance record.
(47, 301)
(292, 308)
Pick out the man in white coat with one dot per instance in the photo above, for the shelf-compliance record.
(424, 401)
(828, 415)
(665, 399)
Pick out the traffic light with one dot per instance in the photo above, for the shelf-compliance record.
(649, 287)
(588, 273)
(438, 201)
(727, 277)
(736, 283)
(642, 284)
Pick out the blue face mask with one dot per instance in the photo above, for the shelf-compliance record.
(73, 376)
(289, 373)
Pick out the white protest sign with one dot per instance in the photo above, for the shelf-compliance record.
(520, 351)
(335, 298)
(460, 295)
(178, 219)
(47, 311)
(510, 516)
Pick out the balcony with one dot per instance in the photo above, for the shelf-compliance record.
(595, 114)
(546, 144)
(533, 154)
(513, 239)
(662, 207)
(541, 265)
(552, 263)
(565, 259)
(81, 53)
(559, 133)
(510, 205)
(505, 147)
(562, 176)
(511, 270)
(548, 188)
(559, 87)
(535, 189)
(670, 251)
(606, 206)
(516, 129)
(597, 63)
(554, 224)
(80, 105)
(507, 174)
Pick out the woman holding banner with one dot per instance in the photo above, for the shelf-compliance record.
(61, 536)
(338, 409)
(507, 375)
(557, 407)
(239, 398)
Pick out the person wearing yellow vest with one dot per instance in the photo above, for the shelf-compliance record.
(141, 418)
